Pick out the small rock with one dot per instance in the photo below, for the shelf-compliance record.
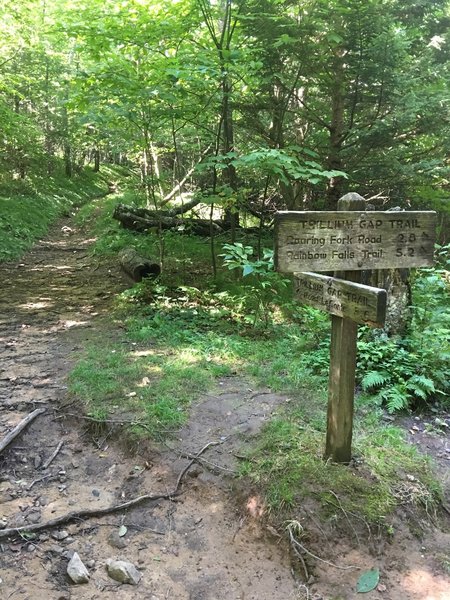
(195, 471)
(60, 535)
(34, 517)
(95, 493)
(90, 564)
(55, 549)
(31, 547)
(123, 571)
(76, 570)
(68, 554)
(43, 500)
(116, 541)
(37, 461)
(44, 537)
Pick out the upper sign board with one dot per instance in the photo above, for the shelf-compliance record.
(347, 241)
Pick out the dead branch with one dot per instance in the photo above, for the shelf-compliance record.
(98, 512)
(18, 428)
(49, 461)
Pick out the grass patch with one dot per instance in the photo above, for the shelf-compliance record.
(287, 464)
(150, 386)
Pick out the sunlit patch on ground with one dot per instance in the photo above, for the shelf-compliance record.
(255, 506)
(426, 586)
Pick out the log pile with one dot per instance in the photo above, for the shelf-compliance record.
(144, 219)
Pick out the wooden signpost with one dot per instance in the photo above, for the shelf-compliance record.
(361, 303)
(348, 241)
(326, 241)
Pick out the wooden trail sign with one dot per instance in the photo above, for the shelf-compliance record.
(358, 302)
(347, 240)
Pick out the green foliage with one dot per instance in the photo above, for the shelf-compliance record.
(287, 165)
(404, 373)
(266, 287)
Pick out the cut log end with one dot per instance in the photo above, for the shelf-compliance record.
(138, 267)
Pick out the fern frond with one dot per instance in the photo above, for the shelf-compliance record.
(421, 386)
(395, 398)
(374, 379)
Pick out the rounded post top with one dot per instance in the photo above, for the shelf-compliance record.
(351, 201)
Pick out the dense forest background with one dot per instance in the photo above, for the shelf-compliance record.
(247, 106)
(208, 116)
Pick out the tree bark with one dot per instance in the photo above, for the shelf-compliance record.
(334, 161)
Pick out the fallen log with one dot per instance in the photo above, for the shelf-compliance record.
(137, 266)
(144, 219)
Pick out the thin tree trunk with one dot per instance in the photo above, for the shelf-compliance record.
(334, 160)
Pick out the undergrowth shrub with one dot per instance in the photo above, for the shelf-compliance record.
(414, 370)
(261, 288)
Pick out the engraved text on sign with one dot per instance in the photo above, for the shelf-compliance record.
(341, 240)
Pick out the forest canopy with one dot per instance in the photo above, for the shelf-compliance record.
(251, 105)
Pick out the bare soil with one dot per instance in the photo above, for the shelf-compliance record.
(214, 541)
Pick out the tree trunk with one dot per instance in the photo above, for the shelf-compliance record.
(334, 160)
(231, 214)
(96, 160)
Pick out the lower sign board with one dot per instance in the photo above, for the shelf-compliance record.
(355, 301)
(346, 240)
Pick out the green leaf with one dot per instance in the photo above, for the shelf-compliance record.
(247, 270)
(374, 379)
(122, 530)
(368, 581)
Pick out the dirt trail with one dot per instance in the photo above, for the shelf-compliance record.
(198, 547)
(208, 543)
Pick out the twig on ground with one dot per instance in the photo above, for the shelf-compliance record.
(51, 458)
(346, 516)
(38, 480)
(207, 462)
(294, 541)
(18, 428)
(256, 394)
(81, 514)
(118, 422)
